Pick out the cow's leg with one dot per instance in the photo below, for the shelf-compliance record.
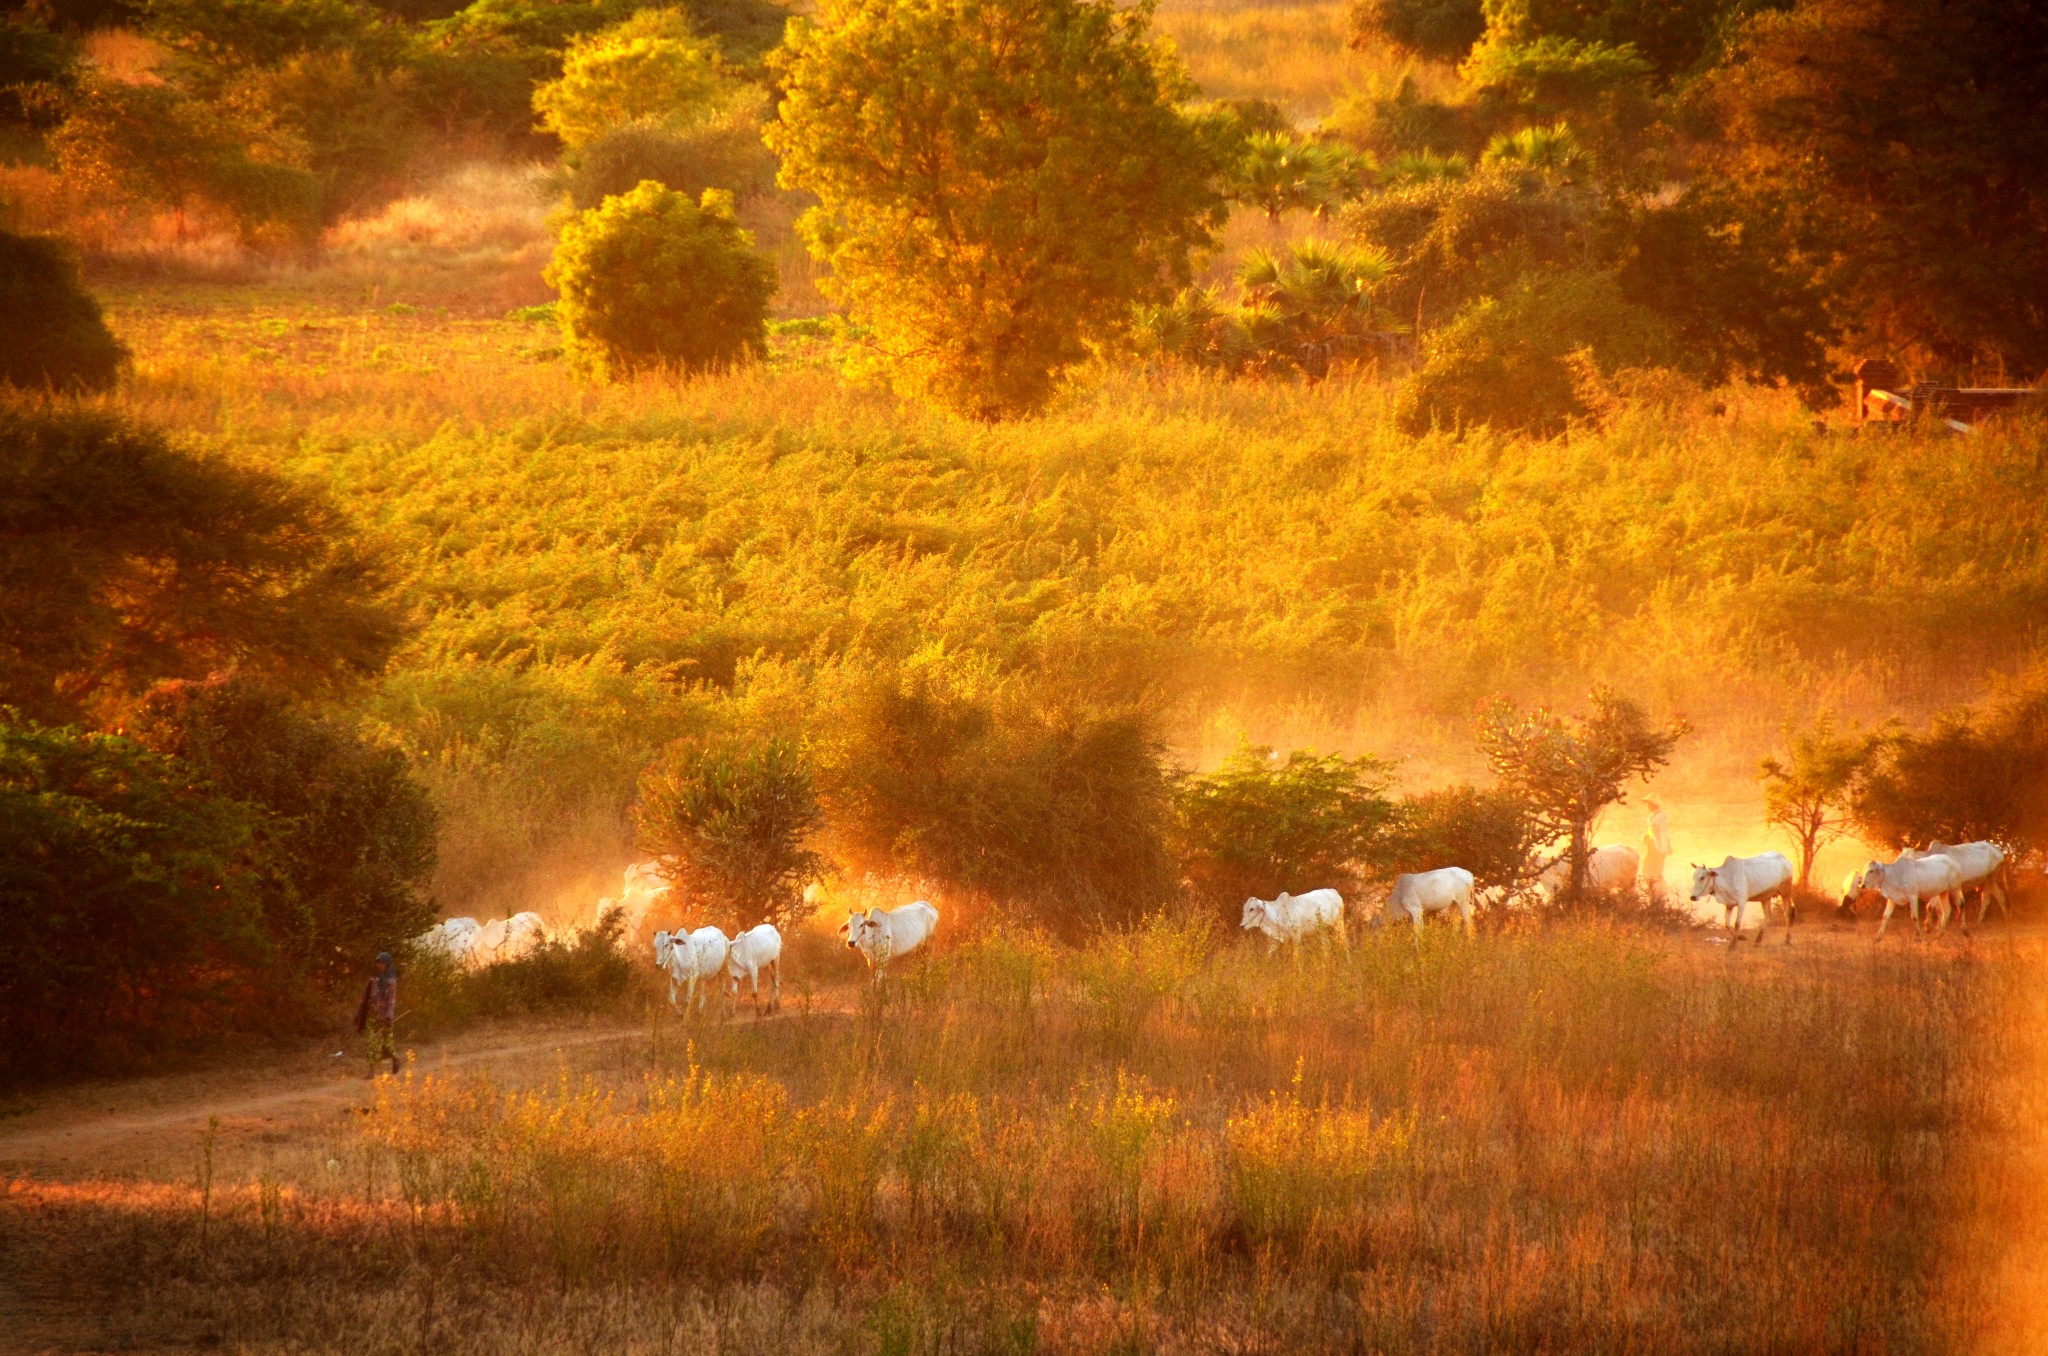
(1886, 920)
(1791, 916)
(1465, 913)
(775, 981)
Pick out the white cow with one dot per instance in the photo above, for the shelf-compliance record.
(1614, 867)
(450, 938)
(689, 957)
(1982, 865)
(1424, 892)
(757, 949)
(1292, 918)
(1742, 880)
(883, 934)
(1913, 879)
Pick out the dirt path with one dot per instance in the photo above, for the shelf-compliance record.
(132, 1125)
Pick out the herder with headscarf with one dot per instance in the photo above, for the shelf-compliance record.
(378, 1011)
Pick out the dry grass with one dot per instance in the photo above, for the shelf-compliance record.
(1293, 54)
(1571, 1140)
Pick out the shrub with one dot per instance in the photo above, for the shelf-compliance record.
(730, 820)
(1279, 173)
(1059, 812)
(651, 280)
(1507, 362)
(1488, 832)
(1260, 824)
(652, 69)
(133, 894)
(52, 335)
(588, 971)
(38, 66)
(726, 154)
(349, 838)
(1389, 122)
(1000, 181)
(1306, 310)
(1972, 774)
(124, 560)
(1439, 30)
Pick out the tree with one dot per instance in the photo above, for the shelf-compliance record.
(652, 69)
(1809, 795)
(999, 182)
(1437, 30)
(1060, 813)
(730, 820)
(1261, 823)
(651, 280)
(1972, 774)
(1553, 151)
(1906, 135)
(132, 898)
(1280, 173)
(52, 335)
(1319, 298)
(1566, 770)
(124, 561)
(348, 834)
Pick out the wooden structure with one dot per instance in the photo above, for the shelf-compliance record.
(1882, 396)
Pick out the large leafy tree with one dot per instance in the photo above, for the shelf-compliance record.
(730, 820)
(1908, 135)
(1567, 769)
(1971, 774)
(124, 560)
(1261, 823)
(999, 181)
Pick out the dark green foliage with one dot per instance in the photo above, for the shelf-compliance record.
(1255, 116)
(1488, 832)
(1402, 121)
(1973, 774)
(1566, 769)
(1440, 30)
(1058, 812)
(349, 838)
(731, 819)
(38, 66)
(1672, 36)
(124, 560)
(652, 280)
(1907, 134)
(1509, 362)
(218, 37)
(1304, 311)
(1260, 824)
(52, 335)
(1739, 296)
(134, 918)
(727, 156)
(1450, 240)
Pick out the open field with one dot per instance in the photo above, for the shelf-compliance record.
(1575, 1139)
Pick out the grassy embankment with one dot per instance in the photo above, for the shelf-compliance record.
(1566, 1140)
(599, 569)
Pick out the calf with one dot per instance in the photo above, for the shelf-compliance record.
(689, 957)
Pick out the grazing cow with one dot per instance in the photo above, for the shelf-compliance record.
(883, 934)
(1742, 880)
(1424, 892)
(1983, 868)
(1613, 867)
(1914, 879)
(689, 957)
(756, 949)
(1291, 918)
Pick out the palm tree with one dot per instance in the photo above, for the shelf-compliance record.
(1315, 301)
(1553, 151)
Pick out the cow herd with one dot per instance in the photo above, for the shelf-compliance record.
(704, 961)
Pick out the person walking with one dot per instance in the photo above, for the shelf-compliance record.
(378, 1011)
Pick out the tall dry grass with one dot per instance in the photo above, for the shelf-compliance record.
(1294, 54)
(1571, 1140)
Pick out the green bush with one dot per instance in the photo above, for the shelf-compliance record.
(651, 69)
(651, 280)
(1973, 774)
(1060, 813)
(585, 973)
(725, 154)
(1508, 361)
(349, 838)
(1488, 832)
(730, 820)
(124, 560)
(133, 898)
(1260, 824)
(52, 335)
(1439, 30)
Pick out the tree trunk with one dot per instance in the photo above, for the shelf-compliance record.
(1578, 858)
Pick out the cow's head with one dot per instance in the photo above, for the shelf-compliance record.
(1704, 879)
(861, 929)
(1254, 914)
(1873, 875)
(663, 946)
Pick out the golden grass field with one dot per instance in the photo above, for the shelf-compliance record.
(1570, 1139)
